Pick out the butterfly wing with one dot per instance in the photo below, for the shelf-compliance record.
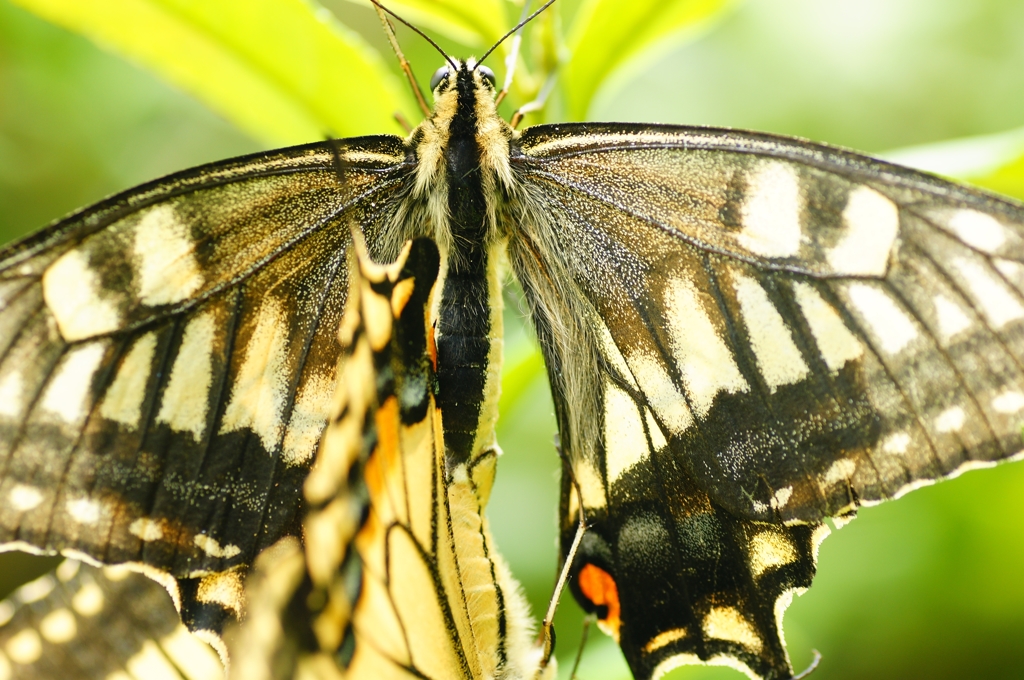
(771, 332)
(82, 623)
(397, 577)
(167, 361)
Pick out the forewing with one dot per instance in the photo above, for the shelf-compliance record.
(774, 329)
(167, 359)
(830, 325)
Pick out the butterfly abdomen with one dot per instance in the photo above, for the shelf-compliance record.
(469, 312)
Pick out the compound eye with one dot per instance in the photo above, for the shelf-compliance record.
(488, 74)
(439, 75)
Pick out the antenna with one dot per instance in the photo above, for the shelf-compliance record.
(517, 27)
(389, 30)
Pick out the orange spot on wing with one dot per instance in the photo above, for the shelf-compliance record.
(432, 347)
(388, 422)
(385, 456)
(598, 586)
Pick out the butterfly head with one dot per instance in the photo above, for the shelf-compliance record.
(471, 72)
(463, 127)
(464, 90)
(463, 83)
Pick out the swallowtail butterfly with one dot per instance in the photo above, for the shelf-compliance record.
(744, 334)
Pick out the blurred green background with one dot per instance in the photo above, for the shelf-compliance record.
(930, 586)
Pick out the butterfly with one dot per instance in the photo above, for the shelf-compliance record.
(744, 334)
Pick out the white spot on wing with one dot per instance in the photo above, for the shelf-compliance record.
(781, 497)
(88, 601)
(727, 623)
(260, 391)
(818, 536)
(192, 655)
(83, 510)
(872, 222)
(33, 591)
(1008, 402)
(660, 391)
(1014, 271)
(25, 647)
(150, 663)
(978, 230)
(896, 443)
(836, 343)
(658, 440)
(999, 305)
(680, 659)
(123, 400)
(840, 471)
(624, 440)
(210, 546)
(890, 324)
(74, 294)
(24, 498)
(309, 416)
(11, 398)
(165, 260)
(147, 529)
(67, 570)
(703, 358)
(770, 550)
(224, 589)
(59, 626)
(771, 213)
(590, 483)
(67, 394)
(952, 320)
(186, 399)
(611, 352)
(778, 358)
(950, 420)
(663, 639)
(117, 572)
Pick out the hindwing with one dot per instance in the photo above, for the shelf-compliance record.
(167, 360)
(83, 623)
(746, 334)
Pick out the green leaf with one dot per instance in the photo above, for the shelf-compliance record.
(519, 374)
(282, 70)
(476, 24)
(1008, 179)
(611, 37)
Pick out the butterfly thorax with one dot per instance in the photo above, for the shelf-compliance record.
(462, 158)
